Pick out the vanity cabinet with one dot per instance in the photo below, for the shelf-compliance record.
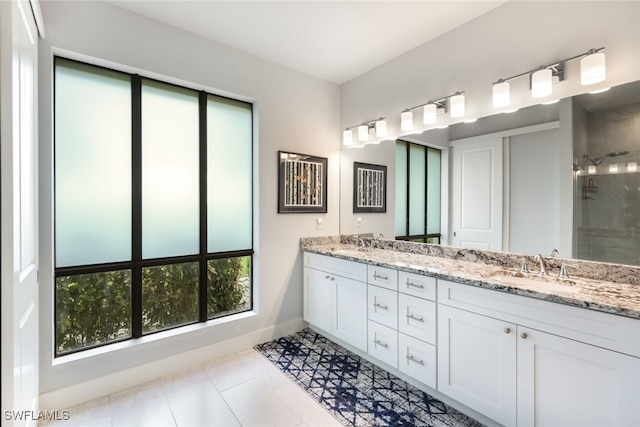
(527, 362)
(335, 297)
(402, 322)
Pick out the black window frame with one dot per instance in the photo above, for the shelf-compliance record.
(137, 262)
(424, 237)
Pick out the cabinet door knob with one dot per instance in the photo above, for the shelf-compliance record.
(524, 335)
(507, 330)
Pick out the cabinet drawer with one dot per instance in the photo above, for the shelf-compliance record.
(417, 359)
(417, 285)
(383, 306)
(381, 276)
(417, 317)
(337, 266)
(383, 343)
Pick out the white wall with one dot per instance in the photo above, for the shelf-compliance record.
(294, 112)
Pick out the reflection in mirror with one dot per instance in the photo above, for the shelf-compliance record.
(554, 194)
(607, 197)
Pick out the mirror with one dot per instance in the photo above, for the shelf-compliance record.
(571, 175)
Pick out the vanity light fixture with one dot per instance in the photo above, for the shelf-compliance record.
(377, 127)
(591, 169)
(613, 167)
(632, 166)
(432, 109)
(592, 70)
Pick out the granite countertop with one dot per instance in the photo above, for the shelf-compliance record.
(601, 295)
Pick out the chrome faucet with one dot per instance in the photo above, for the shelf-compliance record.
(554, 253)
(543, 270)
(563, 270)
(360, 241)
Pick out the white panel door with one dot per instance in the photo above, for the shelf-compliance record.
(477, 193)
(562, 382)
(19, 179)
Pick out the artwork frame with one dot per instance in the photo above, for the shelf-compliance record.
(302, 183)
(369, 188)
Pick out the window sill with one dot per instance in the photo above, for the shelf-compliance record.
(156, 337)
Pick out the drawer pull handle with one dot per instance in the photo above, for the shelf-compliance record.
(380, 343)
(415, 285)
(414, 317)
(382, 306)
(413, 359)
(379, 276)
(507, 330)
(524, 335)
(326, 277)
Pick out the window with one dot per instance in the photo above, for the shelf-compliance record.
(153, 206)
(417, 193)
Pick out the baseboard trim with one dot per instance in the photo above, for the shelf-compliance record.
(86, 391)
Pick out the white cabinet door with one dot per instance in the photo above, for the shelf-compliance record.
(319, 291)
(350, 321)
(477, 362)
(562, 382)
(477, 193)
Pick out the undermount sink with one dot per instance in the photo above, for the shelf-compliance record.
(544, 283)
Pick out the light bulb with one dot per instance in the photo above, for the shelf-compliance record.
(381, 128)
(456, 105)
(363, 133)
(347, 137)
(593, 69)
(406, 120)
(430, 114)
(501, 94)
(541, 83)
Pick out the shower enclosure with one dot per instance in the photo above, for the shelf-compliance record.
(607, 184)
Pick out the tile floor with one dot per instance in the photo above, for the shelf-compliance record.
(240, 390)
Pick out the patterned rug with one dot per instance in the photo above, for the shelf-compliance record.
(355, 391)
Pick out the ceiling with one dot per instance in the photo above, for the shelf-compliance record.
(330, 39)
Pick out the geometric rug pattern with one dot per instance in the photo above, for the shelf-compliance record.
(355, 391)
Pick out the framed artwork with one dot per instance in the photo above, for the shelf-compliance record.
(369, 188)
(302, 183)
